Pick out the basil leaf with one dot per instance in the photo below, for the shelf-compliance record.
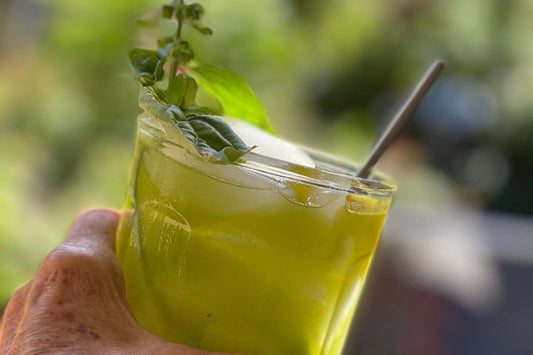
(208, 137)
(203, 30)
(184, 53)
(167, 11)
(176, 90)
(198, 110)
(216, 138)
(234, 94)
(148, 65)
(194, 11)
(182, 92)
(189, 95)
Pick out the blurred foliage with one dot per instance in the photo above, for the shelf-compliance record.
(328, 73)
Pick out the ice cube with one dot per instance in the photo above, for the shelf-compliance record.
(268, 144)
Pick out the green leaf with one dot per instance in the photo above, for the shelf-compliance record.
(203, 30)
(189, 97)
(182, 92)
(198, 110)
(208, 137)
(194, 11)
(143, 60)
(167, 11)
(176, 91)
(233, 92)
(215, 138)
(184, 53)
(148, 65)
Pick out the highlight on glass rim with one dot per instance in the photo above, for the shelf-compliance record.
(348, 197)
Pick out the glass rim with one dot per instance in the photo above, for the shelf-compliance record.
(330, 168)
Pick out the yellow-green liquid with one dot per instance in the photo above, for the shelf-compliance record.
(219, 258)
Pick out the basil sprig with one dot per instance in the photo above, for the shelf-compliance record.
(205, 134)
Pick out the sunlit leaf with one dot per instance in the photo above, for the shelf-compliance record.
(233, 93)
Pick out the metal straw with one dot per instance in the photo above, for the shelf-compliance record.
(401, 119)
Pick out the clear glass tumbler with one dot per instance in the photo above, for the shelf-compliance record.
(256, 257)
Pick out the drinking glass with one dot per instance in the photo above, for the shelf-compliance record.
(260, 256)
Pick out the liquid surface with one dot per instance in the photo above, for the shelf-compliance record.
(222, 258)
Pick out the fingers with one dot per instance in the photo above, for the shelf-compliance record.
(77, 297)
(90, 241)
(11, 319)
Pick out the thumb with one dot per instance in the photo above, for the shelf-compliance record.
(90, 240)
(94, 230)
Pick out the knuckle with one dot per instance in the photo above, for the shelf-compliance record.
(20, 293)
(80, 261)
(70, 256)
(69, 270)
(66, 274)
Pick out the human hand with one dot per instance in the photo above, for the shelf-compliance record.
(76, 302)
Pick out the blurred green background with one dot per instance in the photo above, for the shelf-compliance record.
(329, 74)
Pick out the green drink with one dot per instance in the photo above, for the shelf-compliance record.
(256, 257)
(234, 240)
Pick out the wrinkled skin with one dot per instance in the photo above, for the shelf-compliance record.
(76, 303)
